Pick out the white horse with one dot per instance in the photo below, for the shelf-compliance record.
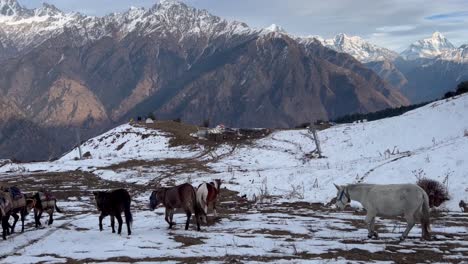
(408, 200)
(207, 193)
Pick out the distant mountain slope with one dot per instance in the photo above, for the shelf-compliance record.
(69, 70)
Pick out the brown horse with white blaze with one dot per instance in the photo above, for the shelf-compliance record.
(182, 196)
(207, 194)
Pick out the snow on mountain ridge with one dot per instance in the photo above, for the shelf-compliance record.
(459, 55)
(428, 48)
(26, 28)
(357, 47)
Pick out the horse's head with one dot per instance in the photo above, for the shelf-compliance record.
(99, 197)
(30, 204)
(342, 197)
(156, 198)
(217, 184)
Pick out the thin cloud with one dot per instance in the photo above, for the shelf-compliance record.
(452, 15)
(398, 28)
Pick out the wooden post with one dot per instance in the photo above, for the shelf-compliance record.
(313, 130)
(78, 137)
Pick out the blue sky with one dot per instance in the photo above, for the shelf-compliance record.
(391, 23)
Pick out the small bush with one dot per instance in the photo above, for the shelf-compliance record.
(303, 125)
(465, 133)
(206, 123)
(436, 191)
(178, 120)
(87, 155)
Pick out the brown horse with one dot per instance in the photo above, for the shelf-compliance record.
(114, 203)
(20, 205)
(182, 196)
(5, 210)
(207, 194)
(44, 201)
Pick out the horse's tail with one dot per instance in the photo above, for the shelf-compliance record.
(56, 207)
(128, 214)
(201, 197)
(425, 217)
(197, 200)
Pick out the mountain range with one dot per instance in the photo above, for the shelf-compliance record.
(424, 71)
(63, 72)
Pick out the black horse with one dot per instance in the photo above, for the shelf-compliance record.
(113, 203)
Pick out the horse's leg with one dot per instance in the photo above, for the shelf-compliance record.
(15, 217)
(189, 214)
(39, 215)
(119, 219)
(113, 223)
(100, 221)
(167, 213)
(51, 216)
(214, 208)
(375, 234)
(5, 227)
(370, 220)
(23, 217)
(35, 217)
(171, 217)
(410, 221)
(197, 219)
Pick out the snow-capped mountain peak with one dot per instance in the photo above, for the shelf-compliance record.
(47, 10)
(275, 28)
(357, 47)
(429, 47)
(10, 8)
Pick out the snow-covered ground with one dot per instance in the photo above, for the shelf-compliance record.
(431, 141)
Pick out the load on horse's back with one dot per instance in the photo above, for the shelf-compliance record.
(44, 201)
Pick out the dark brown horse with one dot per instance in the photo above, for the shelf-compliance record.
(207, 194)
(182, 196)
(114, 203)
(463, 206)
(44, 201)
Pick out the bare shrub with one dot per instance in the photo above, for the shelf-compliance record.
(465, 133)
(436, 191)
(297, 192)
(264, 193)
(419, 174)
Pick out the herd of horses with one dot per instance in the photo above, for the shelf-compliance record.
(408, 200)
(13, 202)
